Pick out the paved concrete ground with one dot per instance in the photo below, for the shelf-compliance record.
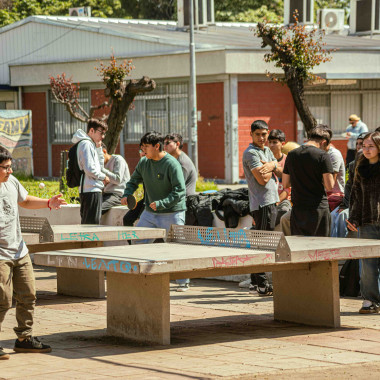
(218, 331)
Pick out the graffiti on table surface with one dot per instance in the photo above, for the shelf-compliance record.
(62, 261)
(80, 236)
(268, 258)
(324, 254)
(127, 235)
(236, 238)
(109, 265)
(232, 261)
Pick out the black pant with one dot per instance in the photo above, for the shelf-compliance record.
(110, 200)
(90, 208)
(132, 215)
(350, 156)
(265, 220)
(310, 222)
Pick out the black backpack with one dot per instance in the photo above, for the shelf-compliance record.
(349, 279)
(73, 172)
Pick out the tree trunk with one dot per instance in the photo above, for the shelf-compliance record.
(119, 109)
(296, 87)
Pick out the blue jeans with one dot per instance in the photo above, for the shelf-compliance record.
(161, 220)
(338, 223)
(370, 268)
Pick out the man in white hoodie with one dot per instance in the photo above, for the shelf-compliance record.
(116, 168)
(90, 157)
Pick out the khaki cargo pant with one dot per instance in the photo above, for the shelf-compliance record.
(17, 278)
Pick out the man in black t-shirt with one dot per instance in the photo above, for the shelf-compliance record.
(308, 170)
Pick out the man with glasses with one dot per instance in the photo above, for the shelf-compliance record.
(174, 145)
(90, 160)
(16, 270)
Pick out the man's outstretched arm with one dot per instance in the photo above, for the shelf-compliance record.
(33, 203)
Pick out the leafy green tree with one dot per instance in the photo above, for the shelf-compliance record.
(249, 10)
(296, 50)
(15, 10)
(150, 9)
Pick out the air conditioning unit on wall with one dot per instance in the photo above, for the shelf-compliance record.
(365, 16)
(305, 10)
(331, 19)
(80, 12)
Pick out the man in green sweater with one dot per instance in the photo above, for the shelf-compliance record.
(165, 191)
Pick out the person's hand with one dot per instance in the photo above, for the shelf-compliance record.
(106, 181)
(267, 167)
(56, 202)
(348, 134)
(124, 201)
(153, 206)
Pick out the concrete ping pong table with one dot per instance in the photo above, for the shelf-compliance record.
(305, 273)
(40, 236)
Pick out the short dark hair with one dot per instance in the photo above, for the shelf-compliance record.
(176, 137)
(153, 138)
(362, 135)
(327, 128)
(377, 129)
(276, 134)
(104, 146)
(95, 124)
(259, 124)
(4, 154)
(319, 133)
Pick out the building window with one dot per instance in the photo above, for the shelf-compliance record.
(164, 110)
(332, 103)
(62, 125)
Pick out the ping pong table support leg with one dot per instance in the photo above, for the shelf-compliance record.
(80, 283)
(138, 307)
(310, 296)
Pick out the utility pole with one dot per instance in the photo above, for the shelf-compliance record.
(193, 119)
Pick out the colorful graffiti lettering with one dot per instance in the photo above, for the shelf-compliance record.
(80, 236)
(236, 238)
(113, 265)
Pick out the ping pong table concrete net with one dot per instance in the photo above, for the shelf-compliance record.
(231, 238)
(37, 225)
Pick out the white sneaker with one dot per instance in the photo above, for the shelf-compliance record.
(183, 288)
(245, 283)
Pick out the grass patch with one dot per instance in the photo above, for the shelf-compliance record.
(71, 195)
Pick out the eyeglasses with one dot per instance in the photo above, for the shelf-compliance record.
(101, 131)
(7, 168)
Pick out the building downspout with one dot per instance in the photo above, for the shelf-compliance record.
(19, 100)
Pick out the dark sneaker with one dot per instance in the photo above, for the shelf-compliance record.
(3, 355)
(265, 292)
(252, 289)
(369, 307)
(31, 344)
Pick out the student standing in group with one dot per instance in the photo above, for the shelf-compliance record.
(90, 156)
(16, 270)
(276, 140)
(116, 168)
(365, 216)
(174, 145)
(308, 170)
(259, 167)
(165, 191)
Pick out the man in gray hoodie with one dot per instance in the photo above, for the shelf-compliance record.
(90, 157)
(116, 168)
